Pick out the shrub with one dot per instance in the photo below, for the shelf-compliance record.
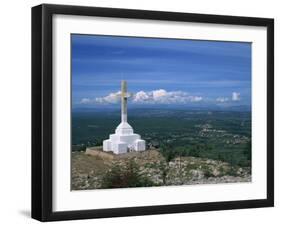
(167, 152)
(124, 176)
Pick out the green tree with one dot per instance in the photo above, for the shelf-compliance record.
(164, 168)
(194, 151)
(248, 150)
(167, 151)
(124, 176)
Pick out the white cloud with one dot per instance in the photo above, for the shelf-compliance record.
(111, 98)
(222, 99)
(235, 96)
(159, 96)
(86, 101)
(195, 99)
(162, 96)
(141, 96)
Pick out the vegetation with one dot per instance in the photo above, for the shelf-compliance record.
(218, 135)
(150, 168)
(124, 176)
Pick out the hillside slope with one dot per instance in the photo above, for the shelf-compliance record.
(96, 169)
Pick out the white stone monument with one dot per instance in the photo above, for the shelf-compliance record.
(124, 139)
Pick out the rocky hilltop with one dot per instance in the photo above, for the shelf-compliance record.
(95, 169)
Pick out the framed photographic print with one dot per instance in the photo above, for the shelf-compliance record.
(145, 112)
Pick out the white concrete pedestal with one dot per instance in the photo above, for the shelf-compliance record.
(124, 140)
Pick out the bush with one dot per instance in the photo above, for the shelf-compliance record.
(167, 151)
(248, 151)
(207, 171)
(164, 168)
(124, 176)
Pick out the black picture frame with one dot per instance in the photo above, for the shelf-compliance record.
(42, 111)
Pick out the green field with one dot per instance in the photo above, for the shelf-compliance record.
(219, 135)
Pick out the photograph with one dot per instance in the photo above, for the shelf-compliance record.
(148, 112)
(141, 112)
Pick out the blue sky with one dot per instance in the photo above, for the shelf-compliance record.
(159, 71)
